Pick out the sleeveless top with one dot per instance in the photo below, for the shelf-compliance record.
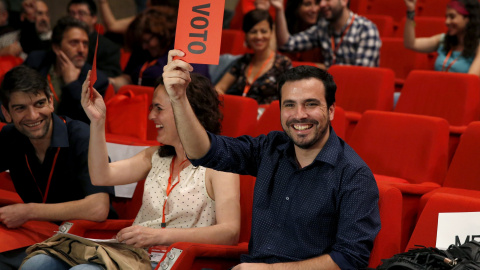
(462, 65)
(188, 205)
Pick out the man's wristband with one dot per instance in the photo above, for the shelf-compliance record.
(411, 15)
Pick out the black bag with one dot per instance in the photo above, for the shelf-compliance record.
(463, 257)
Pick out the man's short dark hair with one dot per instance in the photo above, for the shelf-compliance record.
(22, 79)
(63, 25)
(307, 72)
(92, 7)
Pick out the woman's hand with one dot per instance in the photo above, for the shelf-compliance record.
(139, 236)
(410, 4)
(277, 4)
(94, 107)
(176, 75)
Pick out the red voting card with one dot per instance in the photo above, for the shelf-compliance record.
(93, 74)
(199, 30)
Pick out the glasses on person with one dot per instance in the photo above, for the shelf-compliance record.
(80, 14)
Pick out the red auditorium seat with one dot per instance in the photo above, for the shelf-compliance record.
(239, 115)
(270, 120)
(394, 8)
(384, 23)
(124, 57)
(452, 96)
(464, 170)
(387, 242)
(127, 112)
(216, 257)
(424, 27)
(432, 8)
(362, 88)
(7, 62)
(395, 56)
(303, 63)
(406, 151)
(425, 233)
(233, 42)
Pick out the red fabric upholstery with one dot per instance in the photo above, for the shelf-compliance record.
(109, 93)
(384, 23)
(239, 115)
(395, 56)
(138, 90)
(124, 57)
(198, 256)
(411, 147)
(303, 63)
(360, 89)
(387, 242)
(425, 26)
(403, 146)
(464, 170)
(433, 8)
(127, 115)
(395, 9)
(452, 96)
(270, 120)
(233, 42)
(425, 232)
(6, 182)
(7, 62)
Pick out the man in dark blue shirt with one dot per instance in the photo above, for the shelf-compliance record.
(48, 160)
(315, 201)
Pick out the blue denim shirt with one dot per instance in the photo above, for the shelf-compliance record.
(328, 207)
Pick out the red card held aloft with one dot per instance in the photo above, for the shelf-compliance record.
(93, 74)
(199, 30)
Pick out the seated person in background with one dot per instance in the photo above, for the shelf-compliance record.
(181, 202)
(66, 68)
(9, 44)
(316, 201)
(108, 53)
(149, 37)
(47, 159)
(36, 35)
(301, 15)
(255, 75)
(458, 49)
(344, 37)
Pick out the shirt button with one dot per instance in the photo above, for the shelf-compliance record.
(287, 198)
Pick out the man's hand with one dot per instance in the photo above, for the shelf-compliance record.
(15, 215)
(255, 266)
(69, 72)
(277, 4)
(410, 4)
(139, 236)
(176, 75)
(95, 107)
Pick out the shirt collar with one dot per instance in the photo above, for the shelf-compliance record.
(59, 133)
(328, 154)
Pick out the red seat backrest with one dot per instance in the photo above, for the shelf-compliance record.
(452, 96)
(233, 42)
(424, 26)
(384, 23)
(363, 88)
(239, 115)
(412, 147)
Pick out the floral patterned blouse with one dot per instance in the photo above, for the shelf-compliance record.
(264, 89)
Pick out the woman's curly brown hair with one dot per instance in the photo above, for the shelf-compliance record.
(160, 21)
(205, 104)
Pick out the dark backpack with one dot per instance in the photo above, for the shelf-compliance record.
(463, 257)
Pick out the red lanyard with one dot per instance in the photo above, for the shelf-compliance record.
(170, 187)
(249, 72)
(144, 67)
(446, 60)
(44, 196)
(332, 40)
(49, 78)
